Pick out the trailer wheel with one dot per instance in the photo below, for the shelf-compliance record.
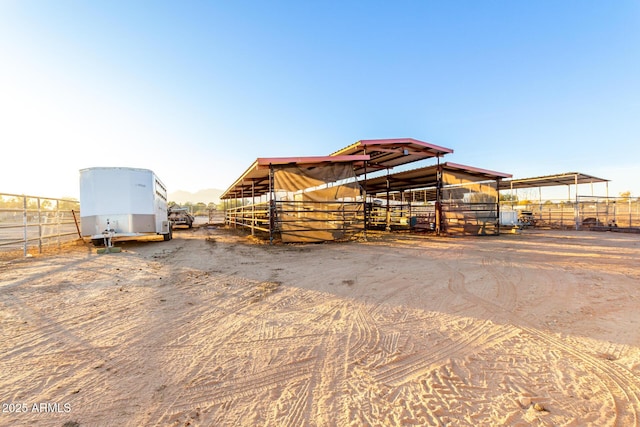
(168, 236)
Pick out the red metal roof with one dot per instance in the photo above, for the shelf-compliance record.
(478, 172)
(426, 177)
(367, 155)
(256, 177)
(388, 153)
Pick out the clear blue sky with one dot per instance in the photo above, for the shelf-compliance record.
(196, 90)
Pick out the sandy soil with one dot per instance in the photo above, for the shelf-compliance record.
(211, 328)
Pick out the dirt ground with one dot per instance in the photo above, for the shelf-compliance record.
(214, 329)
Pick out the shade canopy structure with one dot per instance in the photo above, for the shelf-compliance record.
(557, 215)
(324, 198)
(427, 177)
(255, 180)
(567, 178)
(389, 153)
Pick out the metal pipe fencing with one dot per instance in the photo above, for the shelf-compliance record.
(32, 223)
(609, 212)
(299, 220)
(584, 213)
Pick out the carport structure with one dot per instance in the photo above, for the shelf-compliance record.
(447, 197)
(562, 179)
(566, 213)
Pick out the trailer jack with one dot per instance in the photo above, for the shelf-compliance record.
(108, 244)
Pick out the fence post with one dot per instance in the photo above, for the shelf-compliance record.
(39, 227)
(57, 216)
(24, 222)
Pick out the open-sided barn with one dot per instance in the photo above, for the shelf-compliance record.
(337, 197)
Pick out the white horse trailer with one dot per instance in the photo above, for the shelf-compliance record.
(122, 204)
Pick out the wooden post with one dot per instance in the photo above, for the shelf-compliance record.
(75, 219)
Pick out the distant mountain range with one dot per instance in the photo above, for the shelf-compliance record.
(204, 196)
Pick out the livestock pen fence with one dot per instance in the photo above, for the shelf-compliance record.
(585, 213)
(306, 220)
(457, 217)
(31, 224)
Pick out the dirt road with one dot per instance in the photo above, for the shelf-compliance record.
(211, 328)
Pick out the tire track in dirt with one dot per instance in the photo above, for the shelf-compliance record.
(622, 384)
(97, 326)
(507, 296)
(471, 340)
(331, 357)
(288, 407)
(52, 335)
(212, 393)
(212, 336)
(474, 337)
(367, 335)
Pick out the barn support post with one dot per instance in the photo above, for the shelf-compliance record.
(253, 208)
(540, 202)
(232, 216)
(438, 199)
(388, 215)
(402, 200)
(511, 185)
(364, 151)
(606, 203)
(242, 223)
(271, 205)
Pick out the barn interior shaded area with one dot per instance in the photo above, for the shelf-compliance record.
(341, 196)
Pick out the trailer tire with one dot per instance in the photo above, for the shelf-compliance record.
(168, 236)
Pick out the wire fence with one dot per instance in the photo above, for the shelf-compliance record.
(32, 224)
